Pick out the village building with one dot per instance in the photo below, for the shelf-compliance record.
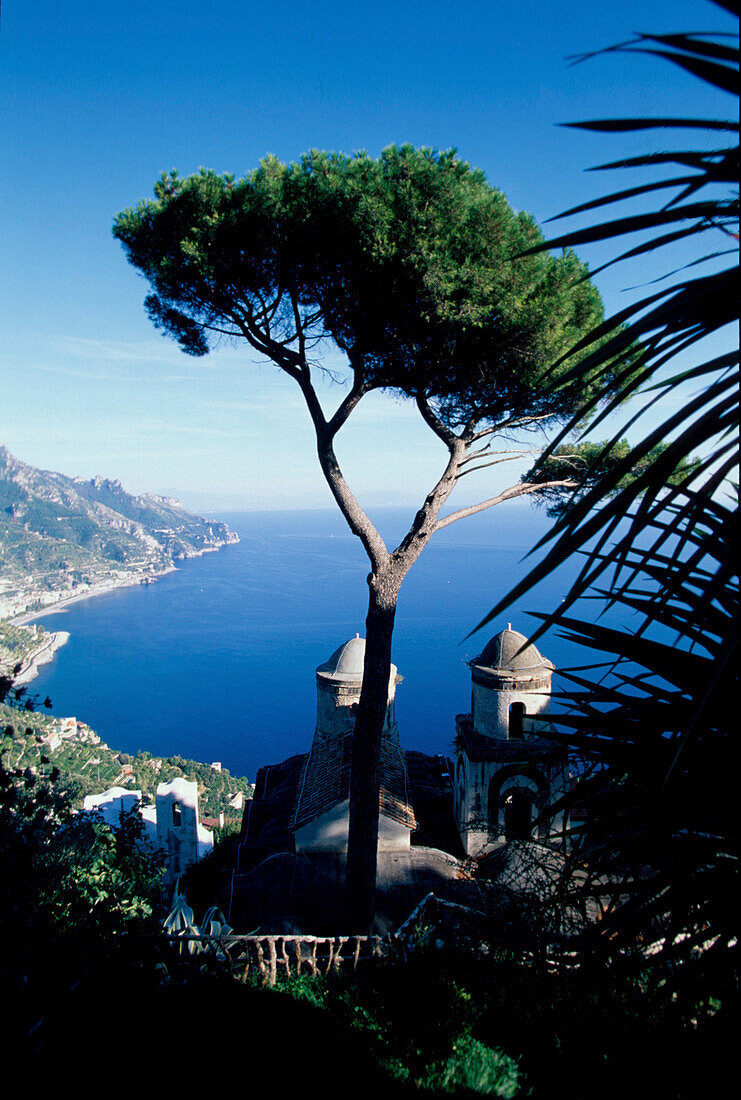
(171, 826)
(180, 834)
(433, 813)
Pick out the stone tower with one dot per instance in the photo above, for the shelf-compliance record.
(338, 684)
(179, 833)
(506, 770)
(321, 814)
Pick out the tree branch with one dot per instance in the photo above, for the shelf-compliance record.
(283, 357)
(442, 431)
(425, 522)
(300, 335)
(495, 462)
(347, 405)
(524, 488)
(356, 519)
(297, 367)
(512, 422)
(514, 454)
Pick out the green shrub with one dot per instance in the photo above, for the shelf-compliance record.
(474, 1067)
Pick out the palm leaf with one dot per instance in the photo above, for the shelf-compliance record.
(622, 125)
(657, 851)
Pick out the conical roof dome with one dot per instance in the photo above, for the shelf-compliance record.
(505, 652)
(345, 666)
(346, 663)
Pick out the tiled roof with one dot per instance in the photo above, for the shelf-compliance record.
(266, 819)
(325, 781)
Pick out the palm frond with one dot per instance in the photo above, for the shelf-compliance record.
(655, 839)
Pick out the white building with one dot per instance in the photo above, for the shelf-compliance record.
(114, 802)
(179, 832)
(170, 826)
(506, 770)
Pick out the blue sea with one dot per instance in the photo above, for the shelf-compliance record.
(216, 660)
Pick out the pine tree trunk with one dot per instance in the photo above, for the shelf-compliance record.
(364, 773)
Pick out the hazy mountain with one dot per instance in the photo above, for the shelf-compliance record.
(60, 536)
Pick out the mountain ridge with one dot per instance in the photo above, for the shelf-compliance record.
(64, 537)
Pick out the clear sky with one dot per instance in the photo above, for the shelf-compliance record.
(99, 99)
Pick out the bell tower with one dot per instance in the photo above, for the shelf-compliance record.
(321, 813)
(338, 685)
(506, 769)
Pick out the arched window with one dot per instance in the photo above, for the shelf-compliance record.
(518, 814)
(177, 816)
(516, 715)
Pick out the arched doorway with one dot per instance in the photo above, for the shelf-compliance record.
(518, 813)
(517, 795)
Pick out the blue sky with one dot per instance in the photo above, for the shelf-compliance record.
(99, 99)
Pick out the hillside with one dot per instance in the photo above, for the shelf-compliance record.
(62, 537)
(87, 765)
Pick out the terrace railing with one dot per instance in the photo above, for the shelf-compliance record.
(268, 956)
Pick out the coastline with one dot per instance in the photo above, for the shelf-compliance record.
(42, 656)
(45, 653)
(149, 576)
(60, 606)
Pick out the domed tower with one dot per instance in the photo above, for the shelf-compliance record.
(321, 815)
(506, 770)
(509, 679)
(338, 684)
